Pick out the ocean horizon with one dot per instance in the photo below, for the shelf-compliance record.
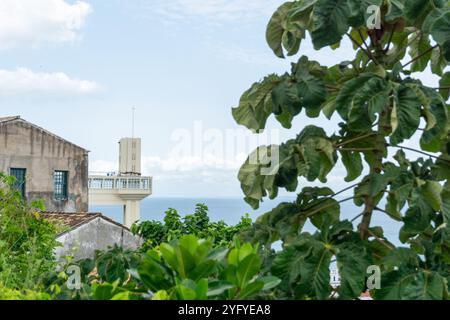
(231, 209)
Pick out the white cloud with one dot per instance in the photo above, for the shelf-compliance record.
(32, 22)
(24, 81)
(213, 10)
(178, 168)
(194, 176)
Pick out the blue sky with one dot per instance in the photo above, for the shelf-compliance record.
(78, 67)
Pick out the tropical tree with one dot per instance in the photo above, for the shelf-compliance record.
(382, 104)
(198, 224)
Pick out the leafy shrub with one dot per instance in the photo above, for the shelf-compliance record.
(189, 268)
(154, 232)
(27, 241)
(11, 294)
(112, 265)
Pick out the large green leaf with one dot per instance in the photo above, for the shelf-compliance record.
(319, 158)
(276, 30)
(441, 28)
(420, 47)
(426, 285)
(154, 275)
(400, 190)
(416, 221)
(287, 264)
(286, 219)
(247, 269)
(286, 102)
(353, 163)
(269, 282)
(218, 287)
(438, 62)
(256, 184)
(371, 98)
(352, 262)
(393, 285)
(407, 108)
(255, 105)
(431, 192)
(395, 10)
(318, 204)
(315, 271)
(330, 22)
(311, 155)
(417, 10)
(312, 92)
(400, 259)
(445, 196)
(345, 97)
(444, 84)
(433, 139)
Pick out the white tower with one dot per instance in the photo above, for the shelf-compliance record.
(127, 188)
(130, 156)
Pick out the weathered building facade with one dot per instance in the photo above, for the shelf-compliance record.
(46, 166)
(88, 232)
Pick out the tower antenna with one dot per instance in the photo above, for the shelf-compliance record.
(132, 122)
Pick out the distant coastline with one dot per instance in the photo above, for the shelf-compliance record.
(231, 209)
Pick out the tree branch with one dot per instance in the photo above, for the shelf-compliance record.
(330, 197)
(380, 240)
(343, 190)
(357, 149)
(357, 217)
(419, 151)
(390, 38)
(327, 206)
(376, 167)
(356, 139)
(368, 53)
(420, 55)
(363, 40)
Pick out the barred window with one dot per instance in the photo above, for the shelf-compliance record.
(60, 185)
(20, 175)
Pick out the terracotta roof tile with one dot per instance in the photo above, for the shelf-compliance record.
(70, 219)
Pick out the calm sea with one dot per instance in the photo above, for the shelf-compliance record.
(231, 209)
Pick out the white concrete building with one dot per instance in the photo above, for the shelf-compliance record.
(128, 188)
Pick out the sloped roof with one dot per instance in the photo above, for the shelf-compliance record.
(76, 220)
(6, 119)
(18, 118)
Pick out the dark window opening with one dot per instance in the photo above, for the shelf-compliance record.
(60, 184)
(20, 175)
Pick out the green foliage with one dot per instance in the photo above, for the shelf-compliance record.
(112, 265)
(191, 269)
(11, 294)
(382, 105)
(26, 240)
(154, 232)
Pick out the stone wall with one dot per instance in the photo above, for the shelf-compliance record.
(23, 145)
(97, 234)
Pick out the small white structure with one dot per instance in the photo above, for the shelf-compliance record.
(128, 188)
(85, 233)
